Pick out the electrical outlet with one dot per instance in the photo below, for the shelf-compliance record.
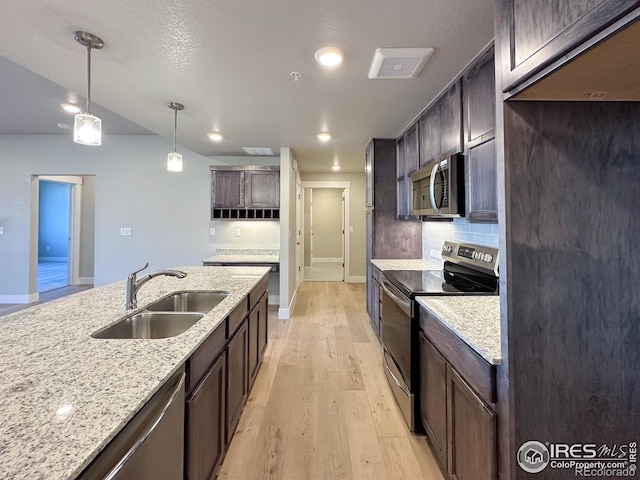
(1, 230)
(237, 231)
(212, 232)
(125, 231)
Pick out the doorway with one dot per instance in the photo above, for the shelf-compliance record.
(324, 239)
(65, 217)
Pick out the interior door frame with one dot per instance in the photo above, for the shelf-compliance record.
(345, 186)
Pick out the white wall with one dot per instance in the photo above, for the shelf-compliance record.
(169, 213)
(357, 256)
(288, 176)
(87, 224)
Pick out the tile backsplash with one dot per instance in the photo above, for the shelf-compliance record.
(435, 233)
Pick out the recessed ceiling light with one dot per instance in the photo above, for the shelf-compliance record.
(215, 136)
(335, 168)
(329, 56)
(258, 151)
(324, 136)
(71, 108)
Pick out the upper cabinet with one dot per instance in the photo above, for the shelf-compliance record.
(536, 34)
(245, 193)
(441, 127)
(407, 162)
(481, 174)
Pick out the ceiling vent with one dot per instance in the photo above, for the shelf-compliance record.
(258, 151)
(399, 62)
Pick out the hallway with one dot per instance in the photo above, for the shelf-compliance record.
(320, 407)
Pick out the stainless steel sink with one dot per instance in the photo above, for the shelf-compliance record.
(189, 302)
(151, 325)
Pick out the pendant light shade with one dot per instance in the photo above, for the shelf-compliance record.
(87, 128)
(174, 159)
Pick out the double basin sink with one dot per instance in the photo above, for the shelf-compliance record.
(168, 317)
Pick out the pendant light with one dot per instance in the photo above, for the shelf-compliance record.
(87, 128)
(174, 159)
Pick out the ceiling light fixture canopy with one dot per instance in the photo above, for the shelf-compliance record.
(215, 136)
(87, 128)
(174, 159)
(324, 136)
(329, 56)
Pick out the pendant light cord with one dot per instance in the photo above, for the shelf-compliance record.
(88, 77)
(175, 127)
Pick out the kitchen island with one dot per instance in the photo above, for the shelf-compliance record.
(64, 395)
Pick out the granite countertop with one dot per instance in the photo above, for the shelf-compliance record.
(405, 264)
(475, 319)
(245, 255)
(64, 394)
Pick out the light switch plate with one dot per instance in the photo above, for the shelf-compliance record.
(237, 231)
(125, 231)
(212, 231)
(350, 228)
(1, 230)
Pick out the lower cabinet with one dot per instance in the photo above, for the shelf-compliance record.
(237, 377)
(373, 298)
(472, 432)
(205, 421)
(460, 424)
(263, 326)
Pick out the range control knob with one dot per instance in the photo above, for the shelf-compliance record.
(488, 258)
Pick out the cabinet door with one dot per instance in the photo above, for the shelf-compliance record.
(430, 136)
(408, 159)
(534, 34)
(368, 174)
(262, 189)
(433, 398)
(227, 189)
(254, 329)
(263, 326)
(482, 183)
(375, 305)
(205, 424)
(451, 121)
(237, 381)
(472, 433)
(480, 105)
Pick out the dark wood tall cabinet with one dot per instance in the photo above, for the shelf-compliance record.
(407, 162)
(386, 236)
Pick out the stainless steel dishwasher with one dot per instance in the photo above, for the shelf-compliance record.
(151, 445)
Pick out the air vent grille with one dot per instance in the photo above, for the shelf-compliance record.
(399, 63)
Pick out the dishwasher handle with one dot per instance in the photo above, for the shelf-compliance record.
(398, 297)
(162, 411)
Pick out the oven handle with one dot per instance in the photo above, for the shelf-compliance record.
(432, 187)
(395, 379)
(405, 305)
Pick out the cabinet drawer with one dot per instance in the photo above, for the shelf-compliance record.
(203, 357)
(477, 372)
(237, 316)
(257, 292)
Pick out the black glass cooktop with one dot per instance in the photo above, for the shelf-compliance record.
(449, 281)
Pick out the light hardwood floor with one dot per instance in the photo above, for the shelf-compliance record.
(320, 407)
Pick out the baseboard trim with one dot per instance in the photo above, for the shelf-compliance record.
(285, 313)
(357, 279)
(85, 281)
(325, 260)
(32, 297)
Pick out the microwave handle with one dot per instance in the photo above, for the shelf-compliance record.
(432, 187)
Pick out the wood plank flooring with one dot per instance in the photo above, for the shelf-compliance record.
(320, 407)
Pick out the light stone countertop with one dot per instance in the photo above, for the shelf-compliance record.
(245, 255)
(405, 264)
(474, 318)
(64, 395)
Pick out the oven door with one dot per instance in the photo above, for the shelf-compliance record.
(396, 331)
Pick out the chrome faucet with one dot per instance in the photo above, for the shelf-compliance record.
(133, 284)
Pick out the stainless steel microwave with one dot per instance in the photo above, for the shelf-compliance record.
(438, 188)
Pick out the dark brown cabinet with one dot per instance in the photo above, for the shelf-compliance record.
(373, 293)
(245, 192)
(407, 162)
(433, 398)
(472, 432)
(263, 326)
(457, 403)
(257, 336)
(481, 175)
(205, 422)
(535, 34)
(237, 377)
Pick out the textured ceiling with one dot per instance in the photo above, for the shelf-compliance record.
(229, 63)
